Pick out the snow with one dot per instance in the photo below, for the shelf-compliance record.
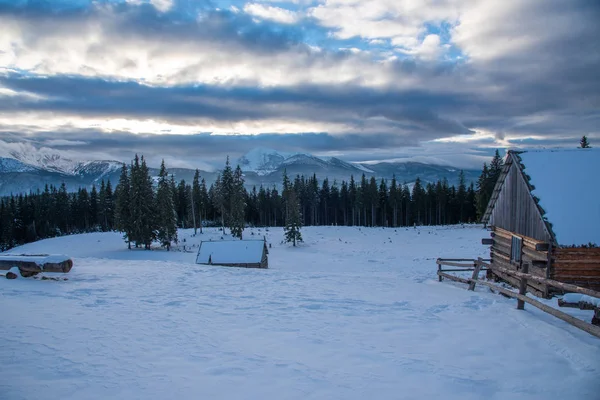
(567, 183)
(231, 252)
(350, 314)
(576, 298)
(363, 168)
(261, 160)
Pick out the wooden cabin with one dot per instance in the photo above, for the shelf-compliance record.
(234, 253)
(545, 212)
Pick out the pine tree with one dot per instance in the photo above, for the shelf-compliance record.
(237, 213)
(583, 143)
(142, 204)
(483, 196)
(94, 206)
(123, 206)
(495, 170)
(293, 218)
(166, 217)
(218, 199)
(461, 196)
(196, 202)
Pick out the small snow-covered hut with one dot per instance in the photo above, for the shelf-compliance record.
(545, 211)
(234, 253)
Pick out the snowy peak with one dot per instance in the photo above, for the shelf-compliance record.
(304, 159)
(262, 161)
(267, 161)
(11, 165)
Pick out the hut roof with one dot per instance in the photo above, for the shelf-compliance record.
(231, 252)
(566, 183)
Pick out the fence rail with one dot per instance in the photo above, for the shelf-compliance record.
(477, 265)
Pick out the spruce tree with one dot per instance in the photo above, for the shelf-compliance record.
(583, 143)
(196, 202)
(461, 197)
(483, 195)
(166, 231)
(237, 214)
(495, 170)
(123, 207)
(94, 206)
(218, 199)
(293, 219)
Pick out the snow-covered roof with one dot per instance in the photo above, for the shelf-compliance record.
(231, 252)
(567, 184)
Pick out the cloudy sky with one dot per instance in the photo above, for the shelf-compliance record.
(191, 81)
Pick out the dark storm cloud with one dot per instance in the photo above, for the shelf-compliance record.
(408, 110)
(203, 148)
(549, 91)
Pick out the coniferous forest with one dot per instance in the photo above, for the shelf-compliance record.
(148, 210)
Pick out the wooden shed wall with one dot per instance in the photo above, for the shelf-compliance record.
(515, 210)
(537, 260)
(579, 266)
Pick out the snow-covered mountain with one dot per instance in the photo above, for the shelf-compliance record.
(28, 169)
(263, 161)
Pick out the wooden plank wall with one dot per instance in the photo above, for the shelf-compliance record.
(515, 210)
(537, 260)
(578, 266)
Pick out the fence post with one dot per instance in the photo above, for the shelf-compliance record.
(439, 270)
(523, 287)
(475, 274)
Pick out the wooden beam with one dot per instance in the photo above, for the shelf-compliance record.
(453, 278)
(542, 247)
(456, 264)
(589, 328)
(561, 285)
(478, 265)
(523, 287)
(487, 241)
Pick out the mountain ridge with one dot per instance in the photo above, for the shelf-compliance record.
(22, 173)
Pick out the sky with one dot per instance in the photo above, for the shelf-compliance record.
(192, 81)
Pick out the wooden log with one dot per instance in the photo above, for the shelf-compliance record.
(532, 269)
(542, 247)
(453, 278)
(515, 282)
(478, 266)
(487, 241)
(527, 241)
(523, 287)
(504, 245)
(576, 252)
(456, 264)
(33, 264)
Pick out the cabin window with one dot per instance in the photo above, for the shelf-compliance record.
(515, 249)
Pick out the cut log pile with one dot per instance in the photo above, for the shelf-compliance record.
(32, 264)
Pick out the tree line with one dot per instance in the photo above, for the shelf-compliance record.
(147, 210)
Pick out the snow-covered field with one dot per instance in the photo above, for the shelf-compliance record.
(351, 314)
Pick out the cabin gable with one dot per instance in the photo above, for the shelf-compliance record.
(513, 207)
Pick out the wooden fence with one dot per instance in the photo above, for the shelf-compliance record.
(523, 277)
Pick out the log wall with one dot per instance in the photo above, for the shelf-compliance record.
(537, 260)
(579, 266)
